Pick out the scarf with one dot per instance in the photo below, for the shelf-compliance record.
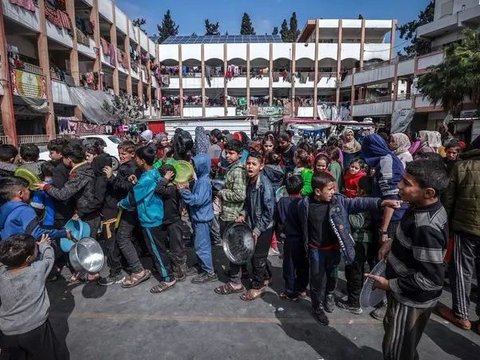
(352, 146)
(374, 148)
(403, 143)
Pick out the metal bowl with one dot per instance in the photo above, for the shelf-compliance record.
(87, 255)
(370, 296)
(238, 243)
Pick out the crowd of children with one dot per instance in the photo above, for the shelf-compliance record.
(362, 201)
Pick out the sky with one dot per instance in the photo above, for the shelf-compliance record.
(265, 14)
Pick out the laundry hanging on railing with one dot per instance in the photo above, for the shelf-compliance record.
(25, 4)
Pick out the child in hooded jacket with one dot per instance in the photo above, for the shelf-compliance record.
(199, 200)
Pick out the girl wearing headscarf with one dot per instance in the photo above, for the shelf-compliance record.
(350, 146)
(400, 144)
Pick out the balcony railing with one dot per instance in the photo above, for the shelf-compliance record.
(33, 139)
(374, 100)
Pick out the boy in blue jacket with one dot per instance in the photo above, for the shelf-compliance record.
(201, 211)
(150, 214)
(17, 216)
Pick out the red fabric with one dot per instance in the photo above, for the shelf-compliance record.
(26, 4)
(350, 182)
(237, 136)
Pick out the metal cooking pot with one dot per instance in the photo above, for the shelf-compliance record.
(87, 255)
(238, 243)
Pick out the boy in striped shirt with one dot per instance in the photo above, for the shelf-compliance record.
(415, 273)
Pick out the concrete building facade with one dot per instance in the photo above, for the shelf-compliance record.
(83, 44)
(61, 62)
(389, 87)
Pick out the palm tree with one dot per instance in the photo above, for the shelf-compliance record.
(457, 78)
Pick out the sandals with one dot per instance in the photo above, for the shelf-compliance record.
(228, 289)
(162, 287)
(135, 279)
(253, 294)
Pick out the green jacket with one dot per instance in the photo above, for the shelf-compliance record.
(234, 193)
(462, 197)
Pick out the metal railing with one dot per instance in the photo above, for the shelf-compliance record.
(32, 139)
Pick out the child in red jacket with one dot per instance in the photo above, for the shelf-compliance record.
(352, 176)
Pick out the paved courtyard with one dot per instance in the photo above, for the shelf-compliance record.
(192, 322)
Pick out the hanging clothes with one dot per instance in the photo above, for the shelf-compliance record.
(25, 4)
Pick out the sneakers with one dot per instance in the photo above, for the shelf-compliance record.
(110, 280)
(321, 317)
(346, 305)
(193, 270)
(330, 303)
(379, 312)
(204, 277)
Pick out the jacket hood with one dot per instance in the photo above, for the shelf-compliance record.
(471, 155)
(202, 142)
(8, 166)
(7, 208)
(373, 148)
(202, 164)
(100, 162)
(274, 173)
(84, 169)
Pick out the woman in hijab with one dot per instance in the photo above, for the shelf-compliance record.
(350, 146)
(400, 144)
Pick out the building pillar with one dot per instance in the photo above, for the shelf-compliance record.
(362, 45)
(293, 71)
(352, 90)
(149, 80)
(140, 73)
(392, 39)
(180, 77)
(8, 112)
(270, 78)
(248, 77)
(202, 59)
(113, 39)
(42, 43)
(127, 52)
(74, 66)
(315, 81)
(97, 66)
(339, 63)
(159, 89)
(225, 82)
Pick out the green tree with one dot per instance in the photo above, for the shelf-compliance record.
(126, 108)
(457, 77)
(408, 32)
(294, 32)
(140, 23)
(285, 31)
(275, 30)
(168, 28)
(211, 28)
(247, 26)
